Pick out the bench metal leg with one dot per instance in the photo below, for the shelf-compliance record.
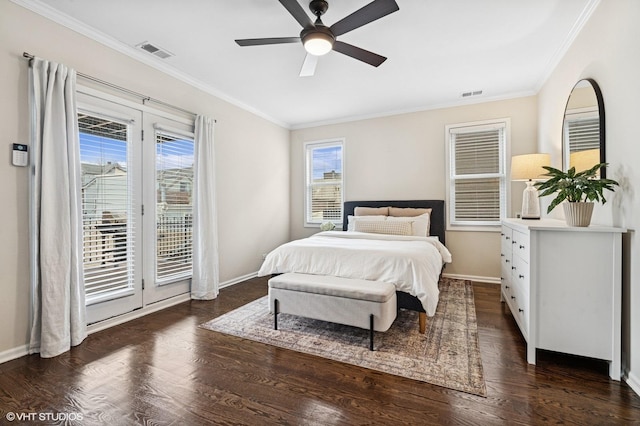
(275, 314)
(371, 332)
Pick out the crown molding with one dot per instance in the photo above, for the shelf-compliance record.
(454, 104)
(571, 37)
(75, 25)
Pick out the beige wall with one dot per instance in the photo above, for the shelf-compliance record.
(403, 157)
(252, 157)
(607, 51)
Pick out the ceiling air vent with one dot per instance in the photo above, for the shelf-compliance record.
(155, 50)
(472, 93)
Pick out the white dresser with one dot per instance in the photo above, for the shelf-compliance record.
(563, 286)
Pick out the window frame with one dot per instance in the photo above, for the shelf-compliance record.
(309, 147)
(504, 153)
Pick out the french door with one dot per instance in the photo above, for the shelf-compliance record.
(137, 181)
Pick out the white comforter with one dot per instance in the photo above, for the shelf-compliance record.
(413, 264)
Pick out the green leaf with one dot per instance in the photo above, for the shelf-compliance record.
(574, 187)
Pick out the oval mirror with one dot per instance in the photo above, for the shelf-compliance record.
(583, 128)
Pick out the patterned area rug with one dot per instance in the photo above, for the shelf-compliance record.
(447, 355)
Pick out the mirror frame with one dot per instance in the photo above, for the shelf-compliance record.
(601, 116)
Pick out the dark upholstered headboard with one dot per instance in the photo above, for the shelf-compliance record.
(437, 219)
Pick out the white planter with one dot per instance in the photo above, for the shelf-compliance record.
(578, 214)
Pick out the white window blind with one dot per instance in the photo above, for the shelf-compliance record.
(583, 133)
(108, 228)
(324, 182)
(174, 225)
(477, 181)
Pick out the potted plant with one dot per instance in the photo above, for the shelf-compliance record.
(580, 190)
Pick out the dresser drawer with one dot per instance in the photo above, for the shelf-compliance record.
(520, 275)
(520, 243)
(520, 303)
(505, 240)
(506, 262)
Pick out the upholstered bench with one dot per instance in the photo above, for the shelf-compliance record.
(360, 303)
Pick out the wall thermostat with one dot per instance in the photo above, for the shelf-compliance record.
(20, 155)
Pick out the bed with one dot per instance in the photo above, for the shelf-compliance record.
(412, 263)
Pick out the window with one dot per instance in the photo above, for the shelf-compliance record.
(477, 173)
(324, 182)
(582, 131)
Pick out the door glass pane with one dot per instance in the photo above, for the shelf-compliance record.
(174, 211)
(108, 228)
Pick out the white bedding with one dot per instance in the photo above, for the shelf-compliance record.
(412, 263)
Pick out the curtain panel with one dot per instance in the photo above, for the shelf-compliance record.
(58, 300)
(205, 282)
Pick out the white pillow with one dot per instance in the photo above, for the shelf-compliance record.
(383, 227)
(351, 220)
(419, 224)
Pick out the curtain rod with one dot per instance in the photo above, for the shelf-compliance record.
(122, 89)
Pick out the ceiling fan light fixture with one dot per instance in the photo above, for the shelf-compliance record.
(318, 43)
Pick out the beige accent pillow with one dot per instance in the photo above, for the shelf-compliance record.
(371, 211)
(419, 224)
(383, 227)
(407, 212)
(351, 220)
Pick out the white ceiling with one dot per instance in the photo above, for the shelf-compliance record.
(436, 49)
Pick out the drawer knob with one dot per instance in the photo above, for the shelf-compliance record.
(520, 276)
(521, 246)
(507, 260)
(502, 254)
(520, 310)
(513, 297)
(513, 267)
(507, 238)
(513, 242)
(506, 286)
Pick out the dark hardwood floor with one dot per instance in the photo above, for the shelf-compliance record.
(163, 369)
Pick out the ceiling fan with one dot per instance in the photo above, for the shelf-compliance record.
(318, 39)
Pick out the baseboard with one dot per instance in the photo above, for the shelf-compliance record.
(14, 353)
(158, 306)
(476, 278)
(20, 351)
(238, 280)
(633, 381)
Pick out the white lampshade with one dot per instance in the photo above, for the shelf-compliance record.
(528, 167)
(584, 160)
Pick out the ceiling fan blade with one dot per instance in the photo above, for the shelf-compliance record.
(358, 53)
(263, 41)
(369, 13)
(309, 65)
(297, 12)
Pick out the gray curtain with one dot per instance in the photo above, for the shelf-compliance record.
(58, 302)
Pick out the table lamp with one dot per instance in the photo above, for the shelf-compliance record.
(528, 167)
